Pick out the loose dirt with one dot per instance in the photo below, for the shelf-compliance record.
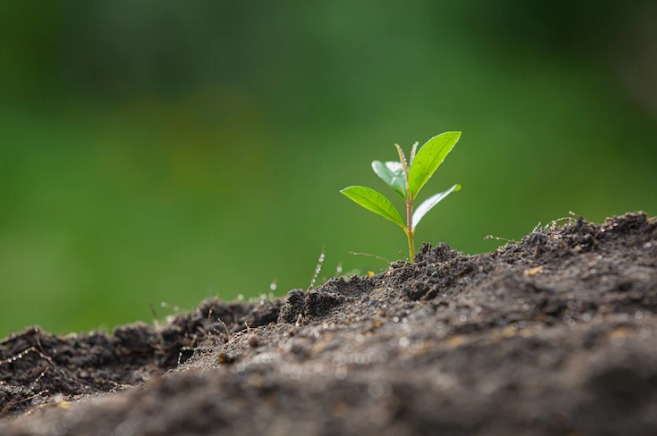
(555, 334)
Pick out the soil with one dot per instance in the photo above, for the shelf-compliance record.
(554, 334)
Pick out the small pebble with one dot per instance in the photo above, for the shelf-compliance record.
(253, 341)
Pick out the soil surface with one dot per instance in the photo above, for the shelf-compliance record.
(555, 334)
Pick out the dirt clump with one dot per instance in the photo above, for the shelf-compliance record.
(554, 334)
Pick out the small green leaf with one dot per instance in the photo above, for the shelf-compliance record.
(430, 202)
(374, 202)
(392, 173)
(429, 158)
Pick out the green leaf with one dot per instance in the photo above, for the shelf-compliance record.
(374, 202)
(430, 202)
(429, 158)
(392, 173)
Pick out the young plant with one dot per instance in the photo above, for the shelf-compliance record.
(406, 178)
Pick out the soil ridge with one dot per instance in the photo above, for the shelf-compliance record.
(552, 334)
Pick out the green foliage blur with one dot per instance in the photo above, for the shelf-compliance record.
(170, 151)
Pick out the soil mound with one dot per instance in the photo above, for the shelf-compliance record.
(555, 334)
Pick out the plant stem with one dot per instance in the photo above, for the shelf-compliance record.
(411, 246)
(410, 232)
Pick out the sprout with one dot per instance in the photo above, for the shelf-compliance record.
(406, 179)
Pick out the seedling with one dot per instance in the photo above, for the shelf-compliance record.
(406, 178)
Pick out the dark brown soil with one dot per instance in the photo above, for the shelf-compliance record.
(556, 334)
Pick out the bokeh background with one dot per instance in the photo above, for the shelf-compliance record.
(171, 151)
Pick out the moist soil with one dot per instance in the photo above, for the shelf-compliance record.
(554, 334)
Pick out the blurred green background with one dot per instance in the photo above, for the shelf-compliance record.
(170, 151)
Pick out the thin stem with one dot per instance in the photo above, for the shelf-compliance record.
(410, 232)
(411, 246)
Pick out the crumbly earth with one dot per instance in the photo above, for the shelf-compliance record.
(555, 334)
